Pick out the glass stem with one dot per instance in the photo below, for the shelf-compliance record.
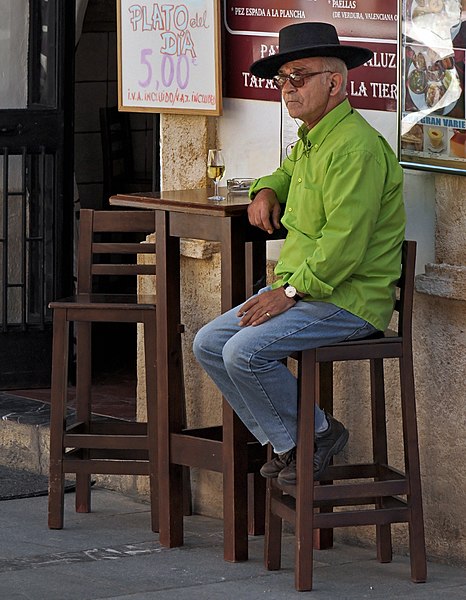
(216, 187)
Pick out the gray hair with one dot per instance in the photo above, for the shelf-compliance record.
(336, 65)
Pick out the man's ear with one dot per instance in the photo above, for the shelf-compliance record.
(336, 83)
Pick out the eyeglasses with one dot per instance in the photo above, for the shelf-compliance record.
(296, 79)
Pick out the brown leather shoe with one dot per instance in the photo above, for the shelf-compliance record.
(272, 468)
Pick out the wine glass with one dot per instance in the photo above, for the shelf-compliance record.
(215, 171)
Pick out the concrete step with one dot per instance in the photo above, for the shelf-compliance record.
(24, 444)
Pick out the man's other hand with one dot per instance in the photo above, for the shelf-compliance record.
(264, 211)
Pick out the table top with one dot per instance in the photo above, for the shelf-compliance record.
(186, 201)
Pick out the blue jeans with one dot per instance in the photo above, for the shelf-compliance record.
(245, 363)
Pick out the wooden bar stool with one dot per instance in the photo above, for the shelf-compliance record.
(109, 246)
(373, 494)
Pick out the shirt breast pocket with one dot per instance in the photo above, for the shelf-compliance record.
(312, 217)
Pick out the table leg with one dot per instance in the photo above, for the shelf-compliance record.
(256, 274)
(235, 435)
(256, 278)
(169, 381)
(323, 538)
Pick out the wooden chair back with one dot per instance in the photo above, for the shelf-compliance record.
(110, 243)
(405, 286)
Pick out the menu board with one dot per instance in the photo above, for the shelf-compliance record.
(169, 56)
(432, 99)
(252, 28)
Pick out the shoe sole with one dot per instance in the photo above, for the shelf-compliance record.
(270, 475)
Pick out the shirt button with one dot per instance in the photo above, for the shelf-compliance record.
(316, 146)
(290, 210)
(299, 179)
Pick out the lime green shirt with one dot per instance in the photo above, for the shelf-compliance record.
(344, 213)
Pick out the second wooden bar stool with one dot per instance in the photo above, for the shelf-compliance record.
(109, 247)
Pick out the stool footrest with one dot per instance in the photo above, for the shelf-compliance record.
(354, 491)
(192, 451)
(92, 454)
(89, 440)
(394, 510)
(386, 482)
(360, 471)
(106, 466)
(111, 435)
(191, 447)
(113, 426)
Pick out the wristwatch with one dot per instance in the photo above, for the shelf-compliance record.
(291, 292)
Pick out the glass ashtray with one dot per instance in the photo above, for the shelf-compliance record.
(239, 185)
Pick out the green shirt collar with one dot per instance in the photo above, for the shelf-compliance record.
(320, 131)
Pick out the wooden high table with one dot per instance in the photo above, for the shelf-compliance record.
(229, 448)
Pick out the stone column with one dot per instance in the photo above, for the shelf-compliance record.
(440, 357)
(185, 141)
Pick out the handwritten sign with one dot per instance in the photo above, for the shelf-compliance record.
(169, 56)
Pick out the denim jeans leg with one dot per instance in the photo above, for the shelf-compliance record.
(208, 349)
(245, 363)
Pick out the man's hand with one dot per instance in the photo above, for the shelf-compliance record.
(263, 307)
(264, 211)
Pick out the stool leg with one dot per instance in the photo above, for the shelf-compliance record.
(380, 450)
(323, 538)
(83, 407)
(59, 387)
(256, 496)
(273, 526)
(169, 382)
(256, 258)
(304, 468)
(151, 404)
(186, 471)
(235, 500)
(256, 504)
(411, 447)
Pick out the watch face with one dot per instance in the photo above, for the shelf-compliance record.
(290, 291)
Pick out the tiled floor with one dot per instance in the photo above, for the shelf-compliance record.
(113, 394)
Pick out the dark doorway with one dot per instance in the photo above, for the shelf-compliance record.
(52, 163)
(36, 197)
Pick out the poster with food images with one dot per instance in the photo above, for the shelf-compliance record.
(432, 89)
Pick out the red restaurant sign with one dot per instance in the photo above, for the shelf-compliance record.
(251, 32)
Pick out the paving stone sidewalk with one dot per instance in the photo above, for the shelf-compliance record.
(112, 554)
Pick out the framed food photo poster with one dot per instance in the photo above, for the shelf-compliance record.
(169, 56)
(432, 46)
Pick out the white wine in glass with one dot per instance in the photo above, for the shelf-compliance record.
(215, 171)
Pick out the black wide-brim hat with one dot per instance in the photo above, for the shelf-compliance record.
(304, 40)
